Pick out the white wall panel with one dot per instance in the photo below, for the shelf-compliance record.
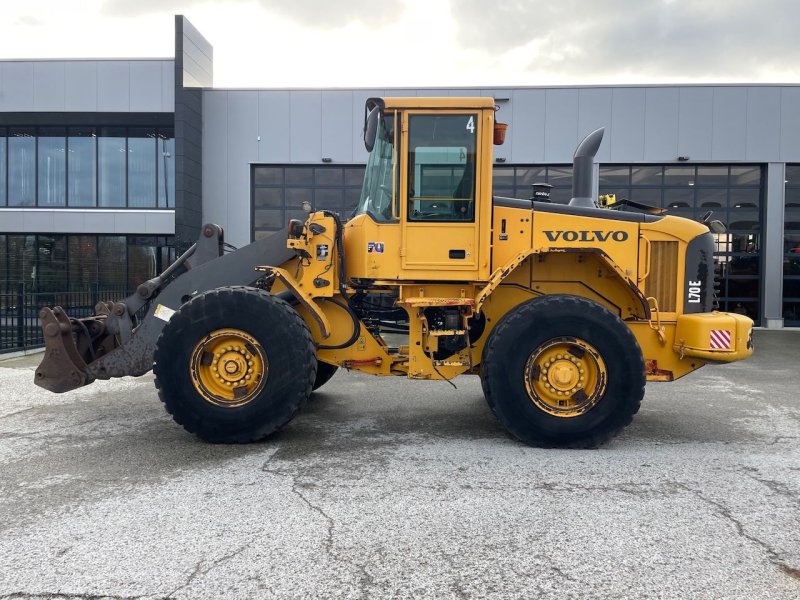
(337, 126)
(695, 122)
(242, 150)
(80, 81)
(594, 111)
(525, 116)
(306, 120)
(49, 86)
(729, 123)
(561, 124)
(145, 86)
(790, 124)
(763, 123)
(274, 126)
(627, 124)
(16, 86)
(113, 86)
(662, 115)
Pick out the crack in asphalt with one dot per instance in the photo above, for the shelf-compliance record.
(68, 596)
(366, 581)
(778, 487)
(200, 571)
(773, 555)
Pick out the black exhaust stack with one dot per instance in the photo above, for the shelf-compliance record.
(583, 171)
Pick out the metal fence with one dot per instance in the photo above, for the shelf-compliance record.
(20, 305)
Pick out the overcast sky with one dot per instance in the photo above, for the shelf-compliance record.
(431, 43)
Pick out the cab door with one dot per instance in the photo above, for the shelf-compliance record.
(440, 180)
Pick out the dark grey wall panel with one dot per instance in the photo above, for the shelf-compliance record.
(763, 123)
(729, 123)
(274, 125)
(337, 126)
(16, 85)
(561, 124)
(49, 85)
(242, 150)
(695, 122)
(525, 116)
(662, 107)
(627, 124)
(594, 111)
(790, 124)
(193, 68)
(113, 86)
(306, 121)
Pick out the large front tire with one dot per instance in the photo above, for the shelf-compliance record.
(563, 371)
(234, 365)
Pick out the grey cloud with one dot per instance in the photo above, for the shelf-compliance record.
(315, 13)
(733, 39)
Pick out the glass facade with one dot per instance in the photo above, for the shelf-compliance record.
(278, 193)
(733, 193)
(114, 167)
(67, 263)
(791, 248)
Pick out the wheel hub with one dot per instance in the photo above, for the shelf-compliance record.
(565, 377)
(229, 367)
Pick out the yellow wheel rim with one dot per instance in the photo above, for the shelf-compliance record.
(229, 368)
(565, 377)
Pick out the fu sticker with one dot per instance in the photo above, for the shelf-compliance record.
(374, 247)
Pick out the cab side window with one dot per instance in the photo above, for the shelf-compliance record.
(441, 167)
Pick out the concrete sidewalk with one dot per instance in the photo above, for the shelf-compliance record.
(395, 489)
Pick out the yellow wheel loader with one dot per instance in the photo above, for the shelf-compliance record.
(564, 311)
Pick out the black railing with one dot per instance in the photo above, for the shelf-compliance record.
(20, 305)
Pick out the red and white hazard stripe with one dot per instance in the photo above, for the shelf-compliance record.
(720, 339)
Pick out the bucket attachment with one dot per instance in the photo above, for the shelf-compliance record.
(70, 344)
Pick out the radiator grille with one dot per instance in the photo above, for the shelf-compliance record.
(662, 282)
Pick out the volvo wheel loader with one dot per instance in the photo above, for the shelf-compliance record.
(564, 311)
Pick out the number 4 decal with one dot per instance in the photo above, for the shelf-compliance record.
(471, 125)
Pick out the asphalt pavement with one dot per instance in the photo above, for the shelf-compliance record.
(389, 488)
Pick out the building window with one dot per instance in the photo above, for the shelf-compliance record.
(75, 263)
(52, 161)
(278, 193)
(113, 167)
(82, 166)
(21, 167)
(3, 143)
(791, 248)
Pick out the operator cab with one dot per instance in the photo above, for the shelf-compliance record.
(425, 206)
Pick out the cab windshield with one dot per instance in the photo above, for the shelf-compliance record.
(376, 195)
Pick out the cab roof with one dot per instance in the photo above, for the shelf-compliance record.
(433, 102)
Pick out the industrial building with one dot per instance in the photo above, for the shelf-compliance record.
(108, 167)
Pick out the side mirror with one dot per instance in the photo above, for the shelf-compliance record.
(371, 128)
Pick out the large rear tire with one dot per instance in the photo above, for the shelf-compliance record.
(234, 365)
(563, 371)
